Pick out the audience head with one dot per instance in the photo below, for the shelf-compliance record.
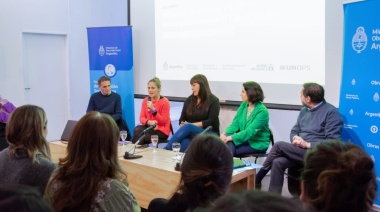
(338, 176)
(22, 198)
(154, 86)
(255, 200)
(206, 171)
(104, 84)
(91, 158)
(26, 130)
(314, 91)
(254, 92)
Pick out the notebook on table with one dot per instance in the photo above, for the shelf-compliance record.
(67, 131)
(238, 163)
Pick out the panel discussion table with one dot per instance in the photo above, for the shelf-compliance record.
(153, 175)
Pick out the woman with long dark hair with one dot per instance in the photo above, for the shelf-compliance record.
(90, 177)
(200, 110)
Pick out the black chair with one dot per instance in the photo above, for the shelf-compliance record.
(3, 140)
(294, 180)
(259, 155)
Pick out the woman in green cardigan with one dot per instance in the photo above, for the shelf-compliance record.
(249, 131)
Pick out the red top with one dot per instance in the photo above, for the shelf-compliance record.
(162, 117)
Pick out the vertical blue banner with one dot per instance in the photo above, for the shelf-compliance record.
(359, 94)
(110, 54)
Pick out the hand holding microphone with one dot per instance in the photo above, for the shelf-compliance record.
(149, 103)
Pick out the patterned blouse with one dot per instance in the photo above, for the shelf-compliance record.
(112, 195)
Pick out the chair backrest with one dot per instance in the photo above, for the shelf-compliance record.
(171, 128)
(271, 137)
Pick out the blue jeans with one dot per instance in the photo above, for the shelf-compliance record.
(184, 135)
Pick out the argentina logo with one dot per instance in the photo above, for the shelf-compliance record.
(101, 50)
(359, 40)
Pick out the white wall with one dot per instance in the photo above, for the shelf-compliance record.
(71, 17)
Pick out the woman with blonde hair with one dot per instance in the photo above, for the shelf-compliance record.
(155, 110)
(27, 159)
(90, 177)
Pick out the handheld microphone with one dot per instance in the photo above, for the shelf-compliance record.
(149, 99)
(209, 128)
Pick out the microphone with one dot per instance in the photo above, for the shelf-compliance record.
(149, 128)
(209, 128)
(128, 155)
(149, 99)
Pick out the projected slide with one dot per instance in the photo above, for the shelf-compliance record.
(274, 41)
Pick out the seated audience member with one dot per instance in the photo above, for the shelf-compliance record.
(106, 101)
(6, 108)
(200, 110)
(155, 109)
(27, 159)
(338, 176)
(22, 198)
(249, 131)
(317, 122)
(89, 176)
(206, 173)
(257, 201)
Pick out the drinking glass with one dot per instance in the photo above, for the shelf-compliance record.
(154, 139)
(123, 136)
(176, 147)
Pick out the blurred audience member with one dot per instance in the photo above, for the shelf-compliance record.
(22, 198)
(27, 159)
(6, 108)
(206, 173)
(338, 176)
(89, 176)
(256, 201)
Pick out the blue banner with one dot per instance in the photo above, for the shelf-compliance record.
(360, 88)
(110, 54)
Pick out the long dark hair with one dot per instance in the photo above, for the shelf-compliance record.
(206, 172)
(91, 158)
(203, 94)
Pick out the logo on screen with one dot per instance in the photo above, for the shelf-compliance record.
(374, 129)
(351, 112)
(359, 40)
(376, 97)
(353, 82)
(110, 70)
(101, 50)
